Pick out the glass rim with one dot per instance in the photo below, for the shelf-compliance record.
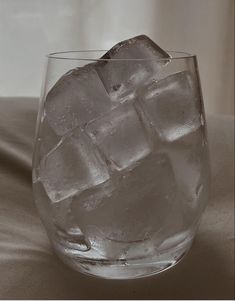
(65, 55)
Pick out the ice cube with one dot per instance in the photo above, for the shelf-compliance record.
(171, 106)
(91, 198)
(137, 206)
(78, 97)
(62, 216)
(102, 247)
(121, 136)
(134, 63)
(72, 166)
(189, 161)
(46, 141)
(48, 138)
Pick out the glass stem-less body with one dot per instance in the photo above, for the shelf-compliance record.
(122, 193)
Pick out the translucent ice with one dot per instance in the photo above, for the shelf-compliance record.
(46, 141)
(170, 105)
(134, 63)
(72, 166)
(78, 97)
(137, 206)
(61, 212)
(103, 247)
(67, 232)
(121, 136)
(83, 94)
(188, 158)
(48, 138)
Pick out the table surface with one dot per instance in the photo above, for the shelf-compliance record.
(30, 270)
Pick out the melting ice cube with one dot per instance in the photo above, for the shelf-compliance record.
(134, 207)
(189, 159)
(133, 63)
(171, 106)
(121, 136)
(72, 166)
(78, 97)
(48, 138)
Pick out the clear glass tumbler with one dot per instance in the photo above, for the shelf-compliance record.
(120, 179)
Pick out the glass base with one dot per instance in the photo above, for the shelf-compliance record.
(123, 269)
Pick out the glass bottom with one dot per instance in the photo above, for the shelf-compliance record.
(123, 269)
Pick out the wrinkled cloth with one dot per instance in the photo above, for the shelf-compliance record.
(30, 270)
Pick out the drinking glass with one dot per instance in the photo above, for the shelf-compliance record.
(120, 183)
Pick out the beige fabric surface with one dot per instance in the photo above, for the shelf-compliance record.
(30, 270)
